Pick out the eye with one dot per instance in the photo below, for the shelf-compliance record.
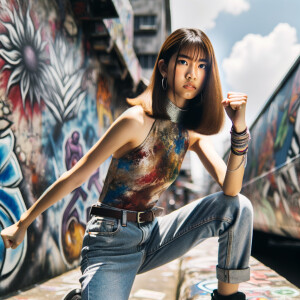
(202, 66)
(182, 62)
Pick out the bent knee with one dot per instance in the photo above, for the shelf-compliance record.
(245, 205)
(240, 203)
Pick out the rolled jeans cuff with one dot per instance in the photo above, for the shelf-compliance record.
(233, 276)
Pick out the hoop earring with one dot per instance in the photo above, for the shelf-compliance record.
(164, 83)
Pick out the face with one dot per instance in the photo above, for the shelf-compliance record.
(189, 76)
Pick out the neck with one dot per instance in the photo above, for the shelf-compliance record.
(174, 112)
(178, 101)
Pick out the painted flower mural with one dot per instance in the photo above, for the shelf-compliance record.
(43, 69)
(65, 94)
(24, 54)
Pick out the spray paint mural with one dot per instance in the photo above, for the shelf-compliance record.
(272, 175)
(10, 178)
(48, 120)
(105, 114)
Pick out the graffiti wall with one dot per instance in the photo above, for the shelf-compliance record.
(272, 175)
(52, 105)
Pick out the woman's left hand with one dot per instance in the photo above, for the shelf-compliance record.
(235, 107)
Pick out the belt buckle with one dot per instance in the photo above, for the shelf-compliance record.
(139, 217)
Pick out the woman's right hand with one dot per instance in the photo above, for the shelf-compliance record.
(13, 235)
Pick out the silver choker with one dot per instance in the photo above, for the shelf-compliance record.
(174, 112)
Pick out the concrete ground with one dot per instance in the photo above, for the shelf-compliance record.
(193, 276)
(156, 284)
(197, 277)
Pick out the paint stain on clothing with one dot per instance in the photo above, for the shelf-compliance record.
(136, 180)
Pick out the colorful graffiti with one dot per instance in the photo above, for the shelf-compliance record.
(73, 227)
(105, 113)
(11, 201)
(104, 97)
(48, 120)
(273, 173)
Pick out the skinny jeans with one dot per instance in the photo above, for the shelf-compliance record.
(112, 255)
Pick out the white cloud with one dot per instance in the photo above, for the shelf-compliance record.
(258, 63)
(203, 13)
(235, 7)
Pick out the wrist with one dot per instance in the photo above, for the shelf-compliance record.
(23, 223)
(238, 128)
(239, 140)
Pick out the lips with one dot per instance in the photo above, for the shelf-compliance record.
(189, 86)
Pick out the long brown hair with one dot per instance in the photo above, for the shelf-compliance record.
(206, 113)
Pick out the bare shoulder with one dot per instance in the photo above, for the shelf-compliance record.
(135, 116)
(136, 124)
(196, 139)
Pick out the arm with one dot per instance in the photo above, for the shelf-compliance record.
(230, 182)
(229, 177)
(235, 107)
(118, 135)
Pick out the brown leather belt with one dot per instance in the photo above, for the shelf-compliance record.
(126, 215)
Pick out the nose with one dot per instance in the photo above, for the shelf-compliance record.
(191, 73)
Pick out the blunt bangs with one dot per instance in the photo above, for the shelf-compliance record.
(195, 49)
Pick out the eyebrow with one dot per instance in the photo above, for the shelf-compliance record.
(188, 57)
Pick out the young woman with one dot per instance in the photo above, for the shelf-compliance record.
(181, 107)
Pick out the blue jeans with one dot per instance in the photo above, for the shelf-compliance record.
(112, 255)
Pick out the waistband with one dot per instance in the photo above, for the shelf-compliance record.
(126, 215)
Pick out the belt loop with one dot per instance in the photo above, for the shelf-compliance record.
(124, 218)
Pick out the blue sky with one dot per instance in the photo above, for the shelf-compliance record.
(261, 18)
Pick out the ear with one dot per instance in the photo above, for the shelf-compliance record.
(163, 68)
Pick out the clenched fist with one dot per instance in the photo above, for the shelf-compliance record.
(13, 236)
(235, 107)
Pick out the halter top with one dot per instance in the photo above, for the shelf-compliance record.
(136, 180)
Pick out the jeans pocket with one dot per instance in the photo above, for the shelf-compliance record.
(103, 226)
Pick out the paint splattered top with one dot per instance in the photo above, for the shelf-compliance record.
(136, 180)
